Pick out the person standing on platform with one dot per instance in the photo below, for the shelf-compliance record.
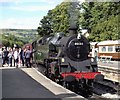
(10, 54)
(16, 56)
(22, 56)
(28, 57)
(5, 56)
(13, 57)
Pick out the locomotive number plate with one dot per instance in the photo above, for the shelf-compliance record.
(79, 43)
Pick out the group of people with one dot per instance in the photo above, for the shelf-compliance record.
(22, 56)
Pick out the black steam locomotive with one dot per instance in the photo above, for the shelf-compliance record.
(66, 59)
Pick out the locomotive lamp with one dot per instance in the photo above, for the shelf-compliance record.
(92, 60)
(79, 36)
(62, 60)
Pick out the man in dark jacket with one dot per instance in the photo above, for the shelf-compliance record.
(28, 57)
(5, 56)
(22, 56)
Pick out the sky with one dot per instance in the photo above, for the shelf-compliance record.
(24, 14)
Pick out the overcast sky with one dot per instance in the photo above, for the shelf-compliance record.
(24, 14)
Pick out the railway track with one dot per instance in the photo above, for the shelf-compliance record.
(100, 91)
(106, 90)
(99, 87)
(109, 86)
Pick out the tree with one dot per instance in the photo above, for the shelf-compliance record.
(5, 42)
(60, 18)
(101, 20)
(45, 26)
(10, 40)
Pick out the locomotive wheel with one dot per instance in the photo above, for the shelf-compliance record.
(67, 85)
(45, 63)
(73, 86)
(69, 78)
(64, 84)
(70, 82)
(86, 86)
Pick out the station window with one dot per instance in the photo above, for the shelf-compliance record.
(117, 48)
(110, 48)
(103, 49)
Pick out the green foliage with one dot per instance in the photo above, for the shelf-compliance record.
(45, 26)
(59, 18)
(10, 40)
(101, 20)
(9, 37)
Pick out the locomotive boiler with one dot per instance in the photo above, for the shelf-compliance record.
(66, 59)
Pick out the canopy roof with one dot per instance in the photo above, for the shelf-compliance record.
(109, 42)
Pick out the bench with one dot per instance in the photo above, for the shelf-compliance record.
(105, 58)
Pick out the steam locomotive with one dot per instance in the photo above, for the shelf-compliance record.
(66, 59)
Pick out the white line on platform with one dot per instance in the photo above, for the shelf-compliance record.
(7, 67)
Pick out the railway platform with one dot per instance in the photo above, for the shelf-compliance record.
(111, 70)
(28, 83)
(110, 64)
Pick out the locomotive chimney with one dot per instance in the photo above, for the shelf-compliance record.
(73, 30)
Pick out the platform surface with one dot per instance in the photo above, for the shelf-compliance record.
(29, 83)
(111, 64)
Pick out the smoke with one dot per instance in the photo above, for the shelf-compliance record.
(74, 13)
